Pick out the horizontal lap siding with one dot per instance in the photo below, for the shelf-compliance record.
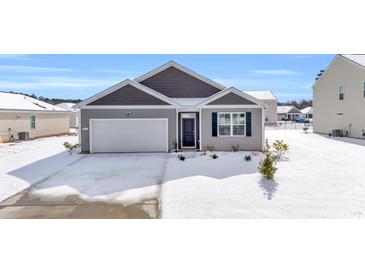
(255, 142)
(87, 114)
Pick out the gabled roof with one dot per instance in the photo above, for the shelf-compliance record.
(356, 59)
(261, 94)
(19, 102)
(231, 90)
(122, 84)
(287, 109)
(67, 106)
(307, 110)
(182, 68)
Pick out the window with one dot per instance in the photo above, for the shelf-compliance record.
(231, 124)
(341, 92)
(32, 121)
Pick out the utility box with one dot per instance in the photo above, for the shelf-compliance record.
(23, 136)
(337, 133)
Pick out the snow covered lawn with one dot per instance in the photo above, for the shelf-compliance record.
(36, 159)
(323, 178)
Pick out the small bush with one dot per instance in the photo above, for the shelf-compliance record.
(70, 148)
(181, 157)
(247, 158)
(267, 166)
(305, 129)
(209, 148)
(214, 156)
(280, 148)
(236, 148)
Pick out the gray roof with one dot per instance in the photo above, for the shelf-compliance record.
(357, 58)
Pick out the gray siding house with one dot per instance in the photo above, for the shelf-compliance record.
(169, 108)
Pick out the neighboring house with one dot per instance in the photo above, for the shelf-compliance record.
(290, 113)
(271, 102)
(170, 107)
(339, 97)
(307, 112)
(20, 113)
(74, 116)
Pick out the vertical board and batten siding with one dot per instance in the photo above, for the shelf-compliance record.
(232, 99)
(87, 114)
(254, 142)
(128, 95)
(175, 83)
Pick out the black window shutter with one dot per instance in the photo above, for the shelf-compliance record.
(248, 124)
(214, 124)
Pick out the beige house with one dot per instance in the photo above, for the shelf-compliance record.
(339, 97)
(271, 102)
(20, 113)
(74, 113)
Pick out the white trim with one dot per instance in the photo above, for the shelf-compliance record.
(231, 124)
(339, 93)
(123, 119)
(200, 129)
(177, 129)
(79, 127)
(179, 67)
(181, 130)
(123, 84)
(230, 106)
(231, 90)
(131, 107)
(262, 127)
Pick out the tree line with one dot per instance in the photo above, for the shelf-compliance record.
(298, 104)
(53, 101)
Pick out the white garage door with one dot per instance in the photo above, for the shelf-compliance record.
(128, 135)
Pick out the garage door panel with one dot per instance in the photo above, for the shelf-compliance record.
(128, 135)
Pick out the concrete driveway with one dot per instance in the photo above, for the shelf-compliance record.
(89, 186)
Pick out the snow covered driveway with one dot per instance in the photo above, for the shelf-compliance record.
(323, 178)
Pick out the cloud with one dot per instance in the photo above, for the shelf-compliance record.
(30, 69)
(46, 83)
(23, 57)
(276, 72)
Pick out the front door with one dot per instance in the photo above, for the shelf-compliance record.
(188, 132)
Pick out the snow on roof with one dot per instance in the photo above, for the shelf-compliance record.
(188, 101)
(12, 101)
(357, 58)
(286, 109)
(261, 94)
(67, 106)
(307, 110)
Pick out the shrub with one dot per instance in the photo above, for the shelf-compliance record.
(181, 157)
(214, 156)
(267, 166)
(236, 148)
(305, 129)
(247, 158)
(70, 148)
(209, 148)
(280, 148)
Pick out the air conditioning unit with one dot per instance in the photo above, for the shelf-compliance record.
(23, 136)
(337, 133)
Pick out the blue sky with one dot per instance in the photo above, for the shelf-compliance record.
(79, 76)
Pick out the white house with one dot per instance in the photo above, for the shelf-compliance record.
(339, 97)
(20, 113)
(267, 97)
(288, 113)
(74, 117)
(307, 112)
